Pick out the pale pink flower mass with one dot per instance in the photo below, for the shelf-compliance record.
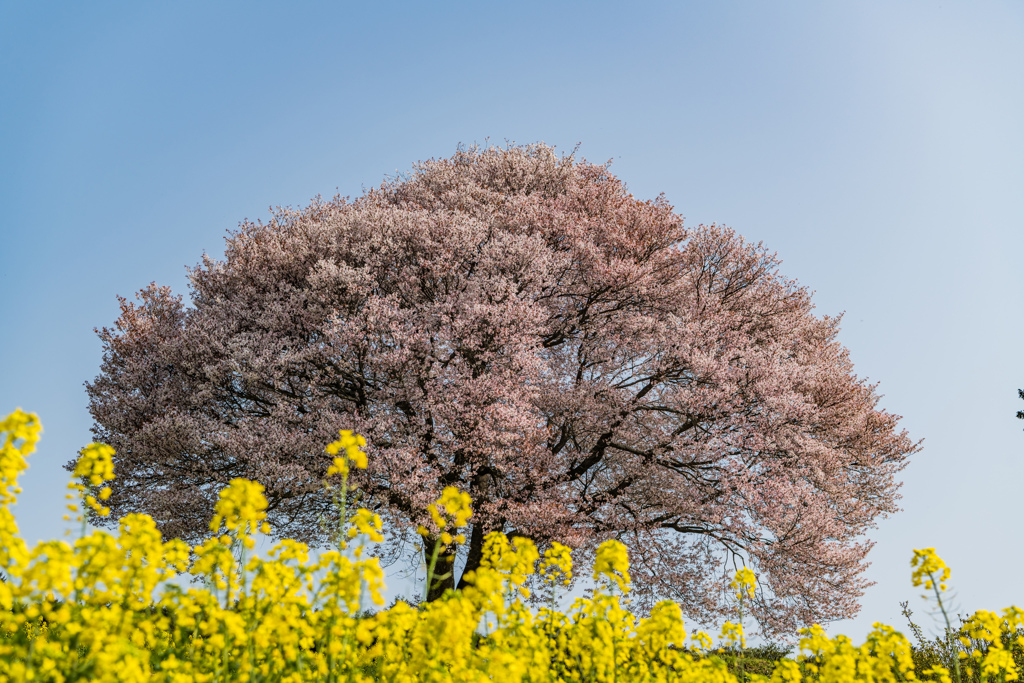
(516, 324)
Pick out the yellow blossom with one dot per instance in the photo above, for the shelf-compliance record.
(612, 564)
(106, 608)
(926, 565)
(744, 583)
(352, 444)
(557, 564)
(368, 523)
(241, 507)
(733, 634)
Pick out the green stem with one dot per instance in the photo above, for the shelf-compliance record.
(551, 613)
(949, 627)
(740, 655)
(430, 569)
(241, 570)
(342, 503)
(330, 655)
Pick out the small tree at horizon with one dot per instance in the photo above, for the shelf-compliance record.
(518, 325)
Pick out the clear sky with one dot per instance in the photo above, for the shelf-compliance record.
(878, 147)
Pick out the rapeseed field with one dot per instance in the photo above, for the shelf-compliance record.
(105, 608)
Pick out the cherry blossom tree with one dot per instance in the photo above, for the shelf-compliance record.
(515, 323)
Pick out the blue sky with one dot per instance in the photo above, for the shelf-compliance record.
(876, 146)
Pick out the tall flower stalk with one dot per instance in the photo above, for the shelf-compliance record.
(743, 585)
(931, 572)
(450, 514)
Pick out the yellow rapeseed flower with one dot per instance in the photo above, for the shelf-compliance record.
(733, 634)
(557, 564)
(241, 508)
(20, 432)
(95, 465)
(450, 512)
(366, 522)
(744, 583)
(701, 640)
(104, 608)
(352, 444)
(926, 565)
(612, 564)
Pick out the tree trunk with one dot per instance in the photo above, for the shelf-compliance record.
(482, 485)
(446, 561)
(476, 553)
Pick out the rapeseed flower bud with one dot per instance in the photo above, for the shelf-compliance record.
(926, 565)
(95, 464)
(366, 522)
(557, 564)
(744, 583)
(241, 507)
(351, 444)
(612, 564)
(733, 634)
(21, 432)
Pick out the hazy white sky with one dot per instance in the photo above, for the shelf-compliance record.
(878, 147)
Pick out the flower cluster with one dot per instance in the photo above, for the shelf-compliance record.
(368, 523)
(94, 467)
(744, 583)
(884, 657)
(514, 560)
(352, 445)
(926, 565)
(241, 508)
(984, 642)
(732, 634)
(449, 513)
(557, 564)
(20, 432)
(106, 608)
(612, 564)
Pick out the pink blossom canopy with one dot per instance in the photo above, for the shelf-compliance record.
(518, 325)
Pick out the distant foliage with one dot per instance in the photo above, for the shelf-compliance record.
(520, 326)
